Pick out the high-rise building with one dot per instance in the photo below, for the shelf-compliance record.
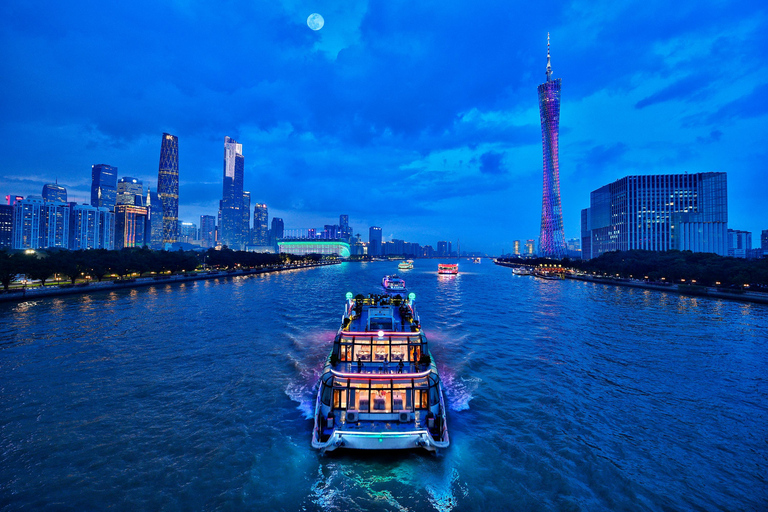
(130, 191)
(764, 241)
(103, 186)
(55, 227)
(530, 247)
(516, 247)
(442, 249)
(277, 230)
(231, 224)
(658, 213)
(374, 241)
(155, 227)
(552, 237)
(130, 225)
(168, 186)
(187, 232)
(54, 192)
(739, 243)
(38, 224)
(12, 200)
(346, 231)
(6, 225)
(260, 224)
(208, 231)
(246, 235)
(91, 227)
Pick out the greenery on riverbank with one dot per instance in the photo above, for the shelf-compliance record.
(96, 264)
(704, 269)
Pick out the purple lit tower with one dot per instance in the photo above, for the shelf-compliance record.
(551, 238)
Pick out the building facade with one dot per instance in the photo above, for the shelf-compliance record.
(130, 225)
(260, 224)
(231, 224)
(103, 186)
(374, 241)
(658, 213)
(277, 230)
(91, 227)
(551, 237)
(739, 243)
(207, 231)
(6, 226)
(168, 186)
(54, 192)
(130, 191)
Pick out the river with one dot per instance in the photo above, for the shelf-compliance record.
(563, 395)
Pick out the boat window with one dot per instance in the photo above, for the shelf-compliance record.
(421, 399)
(363, 400)
(380, 324)
(382, 398)
(345, 353)
(339, 398)
(362, 352)
(326, 397)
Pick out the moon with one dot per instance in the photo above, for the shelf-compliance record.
(315, 21)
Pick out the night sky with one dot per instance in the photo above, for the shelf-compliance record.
(419, 117)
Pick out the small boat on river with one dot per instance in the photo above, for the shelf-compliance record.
(380, 389)
(405, 265)
(448, 268)
(394, 285)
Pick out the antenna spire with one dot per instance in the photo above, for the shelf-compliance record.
(549, 63)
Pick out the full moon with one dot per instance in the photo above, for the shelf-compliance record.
(315, 21)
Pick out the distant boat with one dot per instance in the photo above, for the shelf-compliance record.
(393, 284)
(476, 260)
(405, 265)
(448, 268)
(522, 271)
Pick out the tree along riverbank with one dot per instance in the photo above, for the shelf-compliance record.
(25, 294)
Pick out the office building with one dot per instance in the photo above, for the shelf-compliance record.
(91, 227)
(739, 243)
(54, 192)
(516, 247)
(130, 225)
(278, 228)
(374, 241)
(207, 231)
(6, 226)
(155, 207)
(130, 191)
(188, 232)
(344, 227)
(260, 224)
(39, 224)
(442, 249)
(764, 241)
(658, 213)
(168, 186)
(231, 223)
(530, 247)
(246, 235)
(551, 237)
(103, 186)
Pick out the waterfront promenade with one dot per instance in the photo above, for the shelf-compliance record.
(693, 290)
(19, 295)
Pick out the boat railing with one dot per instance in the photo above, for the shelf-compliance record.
(379, 370)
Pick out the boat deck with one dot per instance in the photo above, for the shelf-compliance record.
(381, 313)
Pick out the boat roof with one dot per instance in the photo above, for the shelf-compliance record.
(389, 313)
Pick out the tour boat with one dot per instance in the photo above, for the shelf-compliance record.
(447, 268)
(522, 271)
(405, 265)
(380, 389)
(394, 285)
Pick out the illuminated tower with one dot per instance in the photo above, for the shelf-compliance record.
(551, 238)
(231, 225)
(168, 187)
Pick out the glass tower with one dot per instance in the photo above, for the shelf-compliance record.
(260, 225)
(551, 237)
(231, 225)
(168, 187)
(103, 186)
(54, 192)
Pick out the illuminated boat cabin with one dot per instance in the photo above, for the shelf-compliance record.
(380, 388)
(447, 268)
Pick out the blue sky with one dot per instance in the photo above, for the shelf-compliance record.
(419, 117)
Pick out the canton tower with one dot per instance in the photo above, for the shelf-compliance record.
(551, 238)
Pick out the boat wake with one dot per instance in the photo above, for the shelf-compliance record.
(302, 389)
(459, 391)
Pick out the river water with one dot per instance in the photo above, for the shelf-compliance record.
(563, 395)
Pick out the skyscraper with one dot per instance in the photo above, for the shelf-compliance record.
(551, 238)
(91, 227)
(6, 225)
(103, 186)
(374, 241)
(168, 186)
(54, 192)
(346, 231)
(208, 231)
(130, 191)
(260, 224)
(130, 225)
(231, 225)
(277, 230)
(155, 227)
(246, 226)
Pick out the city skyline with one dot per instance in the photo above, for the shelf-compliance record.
(436, 109)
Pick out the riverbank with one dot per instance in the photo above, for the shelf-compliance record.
(21, 295)
(685, 289)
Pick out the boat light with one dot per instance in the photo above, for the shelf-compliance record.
(349, 295)
(412, 296)
(381, 334)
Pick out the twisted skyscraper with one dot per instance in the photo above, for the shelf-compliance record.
(551, 238)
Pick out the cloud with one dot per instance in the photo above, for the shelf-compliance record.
(491, 163)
